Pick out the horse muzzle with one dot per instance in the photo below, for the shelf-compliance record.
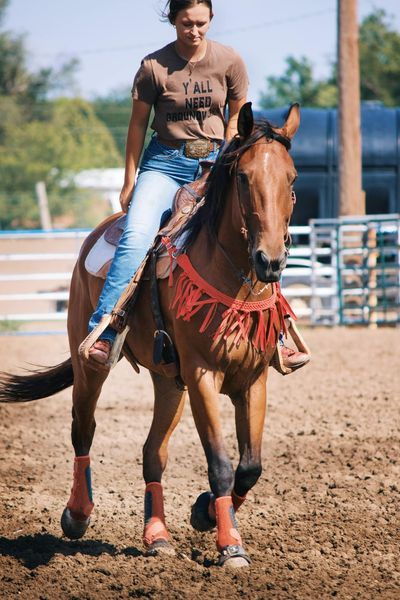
(269, 270)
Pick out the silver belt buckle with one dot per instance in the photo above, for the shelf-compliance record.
(197, 148)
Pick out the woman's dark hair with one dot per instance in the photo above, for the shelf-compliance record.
(174, 6)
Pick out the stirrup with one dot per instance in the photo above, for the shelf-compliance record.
(277, 359)
(93, 336)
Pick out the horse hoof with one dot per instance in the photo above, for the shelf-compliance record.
(234, 557)
(73, 528)
(236, 563)
(199, 517)
(160, 547)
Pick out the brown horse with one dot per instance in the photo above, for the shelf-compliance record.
(232, 256)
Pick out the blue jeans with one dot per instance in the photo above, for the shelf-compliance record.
(163, 171)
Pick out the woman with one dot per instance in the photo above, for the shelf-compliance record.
(188, 83)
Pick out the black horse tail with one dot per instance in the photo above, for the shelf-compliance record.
(40, 383)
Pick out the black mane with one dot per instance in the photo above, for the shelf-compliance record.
(210, 212)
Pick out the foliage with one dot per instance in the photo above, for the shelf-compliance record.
(114, 110)
(379, 60)
(42, 139)
(7, 326)
(298, 84)
(67, 138)
(379, 47)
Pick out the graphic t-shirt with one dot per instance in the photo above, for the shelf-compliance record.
(189, 98)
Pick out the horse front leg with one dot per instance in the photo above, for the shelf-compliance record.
(250, 410)
(205, 408)
(168, 406)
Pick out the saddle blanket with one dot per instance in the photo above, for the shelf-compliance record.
(99, 259)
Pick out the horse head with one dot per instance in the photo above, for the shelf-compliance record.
(265, 175)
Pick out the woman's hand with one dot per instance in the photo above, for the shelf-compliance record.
(125, 197)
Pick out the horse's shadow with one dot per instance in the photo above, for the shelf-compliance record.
(36, 550)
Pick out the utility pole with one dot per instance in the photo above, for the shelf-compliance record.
(351, 196)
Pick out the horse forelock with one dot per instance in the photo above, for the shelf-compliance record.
(210, 213)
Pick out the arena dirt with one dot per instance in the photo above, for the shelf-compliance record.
(322, 522)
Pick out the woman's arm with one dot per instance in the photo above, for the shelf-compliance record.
(234, 107)
(134, 146)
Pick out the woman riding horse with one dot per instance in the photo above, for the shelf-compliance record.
(226, 280)
(187, 83)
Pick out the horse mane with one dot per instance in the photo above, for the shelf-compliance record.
(209, 214)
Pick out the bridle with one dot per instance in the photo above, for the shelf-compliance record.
(245, 210)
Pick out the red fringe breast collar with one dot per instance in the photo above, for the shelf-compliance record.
(240, 317)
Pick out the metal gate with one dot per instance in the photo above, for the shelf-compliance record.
(363, 270)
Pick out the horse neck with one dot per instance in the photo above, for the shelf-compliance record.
(211, 261)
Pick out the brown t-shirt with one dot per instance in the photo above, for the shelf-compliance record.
(189, 98)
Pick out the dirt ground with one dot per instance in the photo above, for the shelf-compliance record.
(322, 522)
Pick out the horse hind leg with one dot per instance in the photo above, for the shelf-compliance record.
(168, 406)
(86, 390)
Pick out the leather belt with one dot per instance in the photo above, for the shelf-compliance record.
(198, 148)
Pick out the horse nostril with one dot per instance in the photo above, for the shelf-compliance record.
(262, 259)
(275, 265)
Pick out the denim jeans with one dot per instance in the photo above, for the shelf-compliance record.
(162, 171)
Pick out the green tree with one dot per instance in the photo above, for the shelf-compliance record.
(380, 59)
(15, 78)
(114, 110)
(69, 139)
(42, 139)
(297, 84)
(379, 46)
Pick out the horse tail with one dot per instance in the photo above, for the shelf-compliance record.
(40, 383)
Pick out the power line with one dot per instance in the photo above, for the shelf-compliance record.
(266, 24)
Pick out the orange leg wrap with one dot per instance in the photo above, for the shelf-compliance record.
(227, 533)
(80, 502)
(237, 500)
(154, 519)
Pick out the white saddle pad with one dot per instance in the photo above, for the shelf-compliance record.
(99, 256)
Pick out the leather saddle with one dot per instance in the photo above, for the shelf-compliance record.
(186, 202)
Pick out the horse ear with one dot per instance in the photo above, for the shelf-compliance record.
(292, 121)
(245, 121)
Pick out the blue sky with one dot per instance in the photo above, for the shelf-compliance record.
(110, 37)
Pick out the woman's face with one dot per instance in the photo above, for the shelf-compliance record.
(192, 25)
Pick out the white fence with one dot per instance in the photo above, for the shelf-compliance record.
(35, 272)
(36, 268)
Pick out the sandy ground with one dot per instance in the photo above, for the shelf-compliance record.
(322, 522)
